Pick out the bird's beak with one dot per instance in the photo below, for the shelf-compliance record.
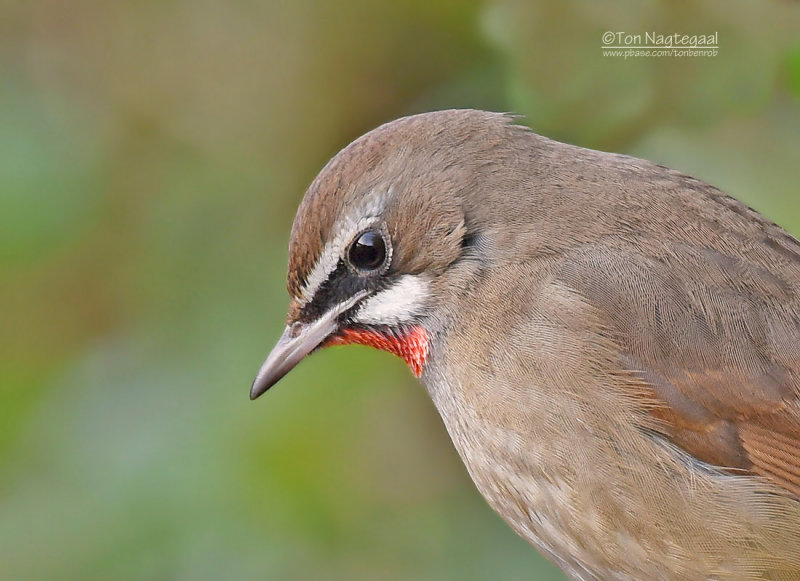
(298, 340)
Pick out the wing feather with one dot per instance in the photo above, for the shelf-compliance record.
(716, 338)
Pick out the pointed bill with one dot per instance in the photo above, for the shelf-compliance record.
(297, 341)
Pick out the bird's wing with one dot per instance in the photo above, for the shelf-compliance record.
(716, 338)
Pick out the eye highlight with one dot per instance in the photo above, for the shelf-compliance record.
(368, 251)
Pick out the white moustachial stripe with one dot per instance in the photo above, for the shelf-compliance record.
(396, 304)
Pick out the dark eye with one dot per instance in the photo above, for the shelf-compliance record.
(368, 251)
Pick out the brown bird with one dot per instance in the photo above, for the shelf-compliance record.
(613, 346)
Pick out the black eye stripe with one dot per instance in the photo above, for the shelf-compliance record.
(342, 284)
(326, 293)
(364, 267)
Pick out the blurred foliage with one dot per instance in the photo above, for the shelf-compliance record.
(152, 155)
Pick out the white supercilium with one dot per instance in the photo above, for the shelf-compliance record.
(345, 229)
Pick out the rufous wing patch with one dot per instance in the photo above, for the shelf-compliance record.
(774, 455)
(702, 415)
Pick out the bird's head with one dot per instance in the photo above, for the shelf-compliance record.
(381, 235)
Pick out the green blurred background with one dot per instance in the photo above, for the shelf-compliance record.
(152, 155)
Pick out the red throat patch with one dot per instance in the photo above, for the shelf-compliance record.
(410, 345)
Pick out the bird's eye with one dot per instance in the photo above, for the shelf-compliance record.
(368, 251)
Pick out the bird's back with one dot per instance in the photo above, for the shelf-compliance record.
(640, 365)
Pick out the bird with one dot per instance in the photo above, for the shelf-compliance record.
(613, 346)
